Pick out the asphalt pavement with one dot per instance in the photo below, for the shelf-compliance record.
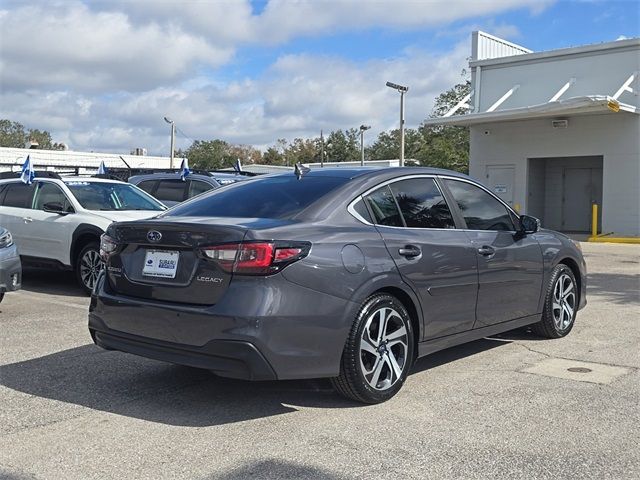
(515, 406)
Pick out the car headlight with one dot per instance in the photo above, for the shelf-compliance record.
(6, 240)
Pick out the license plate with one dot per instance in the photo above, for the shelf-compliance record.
(160, 263)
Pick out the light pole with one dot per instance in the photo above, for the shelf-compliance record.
(173, 138)
(402, 91)
(363, 128)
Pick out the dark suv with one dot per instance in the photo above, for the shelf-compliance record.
(170, 189)
(342, 273)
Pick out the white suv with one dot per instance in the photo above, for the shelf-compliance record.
(57, 222)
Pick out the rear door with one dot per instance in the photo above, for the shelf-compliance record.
(434, 258)
(16, 214)
(509, 263)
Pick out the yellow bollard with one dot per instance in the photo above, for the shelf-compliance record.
(516, 207)
(594, 220)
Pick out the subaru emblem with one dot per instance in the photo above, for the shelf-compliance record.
(154, 236)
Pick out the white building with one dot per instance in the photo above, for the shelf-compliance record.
(13, 158)
(553, 132)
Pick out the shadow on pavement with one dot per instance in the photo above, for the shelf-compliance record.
(619, 288)
(159, 392)
(275, 468)
(53, 282)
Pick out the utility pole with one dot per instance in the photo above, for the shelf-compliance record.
(173, 139)
(402, 91)
(363, 128)
(322, 150)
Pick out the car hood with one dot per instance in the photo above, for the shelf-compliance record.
(124, 215)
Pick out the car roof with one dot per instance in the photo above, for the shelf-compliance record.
(169, 176)
(355, 172)
(66, 179)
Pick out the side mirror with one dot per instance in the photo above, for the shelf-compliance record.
(529, 224)
(54, 207)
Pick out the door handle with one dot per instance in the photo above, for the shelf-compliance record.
(410, 251)
(27, 219)
(486, 250)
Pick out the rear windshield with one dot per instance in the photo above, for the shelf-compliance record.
(269, 197)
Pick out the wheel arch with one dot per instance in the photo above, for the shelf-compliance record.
(575, 269)
(82, 235)
(412, 309)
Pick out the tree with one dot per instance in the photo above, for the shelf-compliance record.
(343, 146)
(14, 135)
(447, 146)
(209, 154)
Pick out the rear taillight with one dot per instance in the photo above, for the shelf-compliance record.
(256, 258)
(107, 246)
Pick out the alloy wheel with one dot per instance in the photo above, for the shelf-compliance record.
(90, 266)
(564, 301)
(384, 348)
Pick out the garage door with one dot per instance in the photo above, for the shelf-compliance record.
(581, 187)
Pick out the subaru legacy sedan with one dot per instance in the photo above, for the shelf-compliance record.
(349, 274)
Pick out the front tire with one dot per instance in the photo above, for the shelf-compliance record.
(88, 266)
(560, 305)
(379, 351)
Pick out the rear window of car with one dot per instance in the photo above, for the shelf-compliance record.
(18, 195)
(271, 197)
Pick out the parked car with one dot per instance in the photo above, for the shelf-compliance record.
(170, 189)
(343, 273)
(10, 267)
(57, 222)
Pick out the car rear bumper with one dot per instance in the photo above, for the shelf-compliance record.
(10, 271)
(227, 358)
(261, 329)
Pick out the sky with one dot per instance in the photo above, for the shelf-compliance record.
(100, 75)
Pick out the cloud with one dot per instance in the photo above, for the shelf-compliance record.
(100, 75)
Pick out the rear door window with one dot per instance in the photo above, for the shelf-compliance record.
(147, 185)
(384, 208)
(421, 203)
(481, 211)
(196, 187)
(171, 190)
(18, 195)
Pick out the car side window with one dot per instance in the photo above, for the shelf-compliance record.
(480, 210)
(18, 195)
(196, 187)
(147, 185)
(51, 195)
(421, 203)
(171, 190)
(384, 208)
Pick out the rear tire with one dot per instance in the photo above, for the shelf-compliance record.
(88, 266)
(560, 304)
(379, 351)
(1, 297)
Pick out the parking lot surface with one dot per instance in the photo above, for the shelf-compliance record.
(514, 406)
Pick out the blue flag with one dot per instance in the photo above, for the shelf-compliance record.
(102, 169)
(27, 175)
(238, 166)
(184, 169)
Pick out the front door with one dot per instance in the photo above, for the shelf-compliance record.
(434, 258)
(509, 262)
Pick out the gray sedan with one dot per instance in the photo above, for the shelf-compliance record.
(10, 267)
(344, 273)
